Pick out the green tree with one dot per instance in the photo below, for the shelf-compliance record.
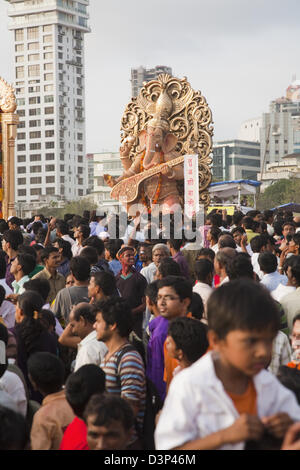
(72, 207)
(281, 192)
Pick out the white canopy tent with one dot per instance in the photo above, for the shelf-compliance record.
(237, 188)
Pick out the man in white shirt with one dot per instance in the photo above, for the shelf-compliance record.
(204, 270)
(81, 233)
(22, 265)
(159, 251)
(283, 290)
(80, 333)
(268, 265)
(221, 262)
(62, 231)
(258, 245)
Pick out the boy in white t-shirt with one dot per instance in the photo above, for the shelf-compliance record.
(228, 397)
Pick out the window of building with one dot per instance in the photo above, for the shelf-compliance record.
(36, 191)
(48, 88)
(36, 169)
(49, 110)
(61, 157)
(21, 169)
(48, 39)
(21, 101)
(49, 133)
(79, 136)
(35, 123)
(62, 167)
(47, 28)
(21, 158)
(19, 35)
(50, 179)
(21, 112)
(36, 180)
(34, 70)
(60, 55)
(49, 99)
(20, 58)
(33, 57)
(49, 156)
(35, 135)
(48, 66)
(36, 158)
(19, 72)
(33, 46)
(80, 180)
(48, 77)
(34, 89)
(80, 192)
(80, 170)
(19, 47)
(50, 168)
(80, 158)
(49, 145)
(21, 147)
(49, 122)
(50, 191)
(35, 146)
(80, 147)
(21, 192)
(21, 136)
(21, 124)
(48, 55)
(35, 112)
(34, 100)
(21, 181)
(20, 91)
(33, 33)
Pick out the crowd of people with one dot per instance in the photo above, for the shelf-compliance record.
(149, 341)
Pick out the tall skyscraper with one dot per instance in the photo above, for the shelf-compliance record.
(280, 131)
(49, 82)
(140, 75)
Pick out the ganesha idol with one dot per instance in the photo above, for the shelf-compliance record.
(153, 167)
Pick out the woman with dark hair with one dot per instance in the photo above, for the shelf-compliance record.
(31, 335)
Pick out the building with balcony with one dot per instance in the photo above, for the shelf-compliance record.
(106, 163)
(50, 91)
(280, 131)
(140, 75)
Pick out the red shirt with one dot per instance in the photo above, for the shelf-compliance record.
(74, 437)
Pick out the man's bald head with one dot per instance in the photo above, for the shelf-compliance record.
(225, 241)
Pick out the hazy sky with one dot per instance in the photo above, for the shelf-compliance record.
(241, 54)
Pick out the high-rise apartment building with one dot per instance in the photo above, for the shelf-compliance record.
(140, 75)
(280, 131)
(49, 83)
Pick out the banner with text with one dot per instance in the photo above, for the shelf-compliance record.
(191, 185)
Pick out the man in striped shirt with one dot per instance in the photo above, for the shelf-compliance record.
(123, 365)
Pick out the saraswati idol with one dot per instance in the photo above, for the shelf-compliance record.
(167, 120)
